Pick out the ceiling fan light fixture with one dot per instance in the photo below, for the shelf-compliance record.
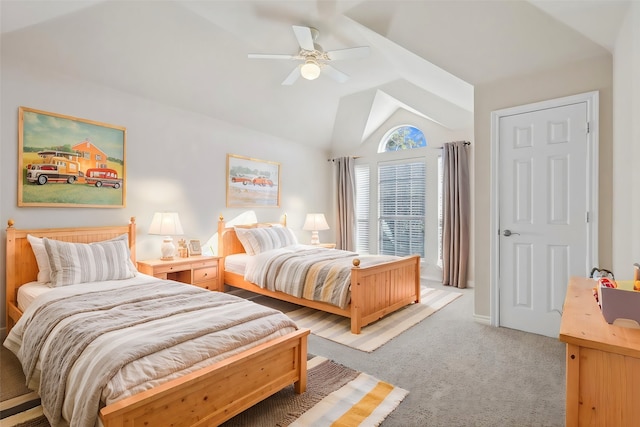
(310, 70)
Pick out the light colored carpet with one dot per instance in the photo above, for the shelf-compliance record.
(460, 371)
(338, 328)
(335, 393)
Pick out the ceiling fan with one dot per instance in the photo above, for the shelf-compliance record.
(315, 60)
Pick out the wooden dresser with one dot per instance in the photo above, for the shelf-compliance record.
(603, 363)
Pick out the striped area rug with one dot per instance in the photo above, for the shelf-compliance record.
(23, 410)
(337, 328)
(364, 401)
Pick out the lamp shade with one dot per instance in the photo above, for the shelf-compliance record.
(166, 224)
(315, 222)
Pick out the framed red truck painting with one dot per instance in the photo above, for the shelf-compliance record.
(66, 161)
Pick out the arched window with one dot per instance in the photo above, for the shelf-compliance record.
(402, 138)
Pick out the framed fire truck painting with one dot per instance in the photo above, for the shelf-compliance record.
(252, 182)
(66, 161)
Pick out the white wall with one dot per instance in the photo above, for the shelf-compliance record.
(626, 146)
(175, 160)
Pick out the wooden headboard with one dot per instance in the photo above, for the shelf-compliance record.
(228, 243)
(21, 266)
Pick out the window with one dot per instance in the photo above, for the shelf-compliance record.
(402, 138)
(402, 191)
(398, 197)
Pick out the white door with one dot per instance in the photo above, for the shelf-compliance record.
(544, 200)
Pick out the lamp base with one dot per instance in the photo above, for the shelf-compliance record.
(167, 249)
(315, 239)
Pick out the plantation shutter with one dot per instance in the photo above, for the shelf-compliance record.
(440, 210)
(362, 209)
(402, 205)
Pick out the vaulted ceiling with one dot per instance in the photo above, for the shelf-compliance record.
(425, 55)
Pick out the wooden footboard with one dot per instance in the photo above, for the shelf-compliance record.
(382, 289)
(217, 393)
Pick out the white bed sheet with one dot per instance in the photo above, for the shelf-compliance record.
(30, 291)
(236, 263)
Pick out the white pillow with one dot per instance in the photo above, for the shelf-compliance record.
(42, 259)
(257, 240)
(73, 263)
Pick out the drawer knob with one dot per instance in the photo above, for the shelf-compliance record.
(206, 274)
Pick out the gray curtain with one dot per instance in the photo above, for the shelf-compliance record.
(345, 233)
(456, 214)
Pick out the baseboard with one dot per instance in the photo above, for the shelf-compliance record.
(485, 320)
(438, 280)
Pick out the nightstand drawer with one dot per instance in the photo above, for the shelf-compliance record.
(162, 269)
(203, 263)
(207, 273)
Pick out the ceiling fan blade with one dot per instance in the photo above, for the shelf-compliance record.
(270, 56)
(349, 53)
(305, 39)
(292, 77)
(338, 76)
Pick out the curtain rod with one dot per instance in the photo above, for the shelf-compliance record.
(336, 158)
(465, 143)
(357, 157)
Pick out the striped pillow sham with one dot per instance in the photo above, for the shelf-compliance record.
(73, 263)
(257, 240)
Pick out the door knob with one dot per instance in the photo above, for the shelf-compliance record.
(507, 233)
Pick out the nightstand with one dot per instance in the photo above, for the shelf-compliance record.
(203, 271)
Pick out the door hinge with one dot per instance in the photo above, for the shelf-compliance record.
(586, 217)
(588, 127)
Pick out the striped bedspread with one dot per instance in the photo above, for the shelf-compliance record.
(108, 342)
(316, 274)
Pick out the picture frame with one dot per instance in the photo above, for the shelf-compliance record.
(66, 161)
(194, 247)
(252, 182)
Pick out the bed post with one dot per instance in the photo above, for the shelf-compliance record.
(132, 239)
(10, 289)
(357, 298)
(417, 281)
(220, 232)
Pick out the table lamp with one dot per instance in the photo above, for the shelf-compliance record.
(315, 222)
(166, 224)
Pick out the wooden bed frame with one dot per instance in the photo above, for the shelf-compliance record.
(205, 397)
(375, 290)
